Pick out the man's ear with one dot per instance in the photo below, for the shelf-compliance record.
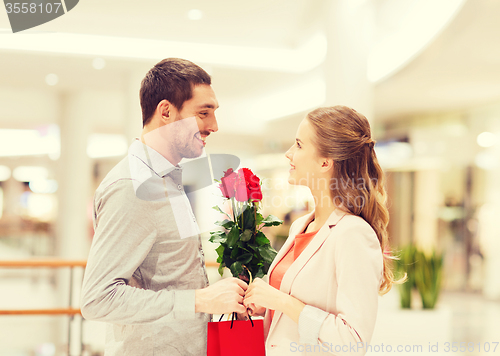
(163, 110)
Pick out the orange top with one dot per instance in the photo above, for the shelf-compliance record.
(299, 244)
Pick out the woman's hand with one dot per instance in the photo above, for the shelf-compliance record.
(260, 296)
(254, 310)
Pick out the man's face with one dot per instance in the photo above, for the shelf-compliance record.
(195, 122)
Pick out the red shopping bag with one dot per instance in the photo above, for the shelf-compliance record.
(236, 338)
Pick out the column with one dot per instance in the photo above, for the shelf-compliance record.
(73, 229)
(74, 178)
(489, 230)
(133, 117)
(349, 25)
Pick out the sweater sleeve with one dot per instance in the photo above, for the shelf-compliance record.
(125, 232)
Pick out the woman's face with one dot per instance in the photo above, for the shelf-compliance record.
(304, 159)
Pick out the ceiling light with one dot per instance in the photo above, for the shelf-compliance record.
(4, 173)
(301, 59)
(43, 186)
(195, 14)
(106, 145)
(486, 139)
(14, 143)
(29, 173)
(98, 63)
(51, 79)
(487, 160)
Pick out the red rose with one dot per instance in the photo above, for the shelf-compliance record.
(241, 187)
(248, 186)
(227, 183)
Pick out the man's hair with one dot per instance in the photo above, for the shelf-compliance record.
(172, 79)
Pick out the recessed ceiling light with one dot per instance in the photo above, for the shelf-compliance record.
(98, 63)
(487, 139)
(195, 14)
(29, 173)
(4, 173)
(51, 79)
(300, 59)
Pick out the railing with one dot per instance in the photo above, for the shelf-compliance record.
(50, 263)
(56, 263)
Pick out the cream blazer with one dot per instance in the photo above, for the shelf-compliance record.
(337, 276)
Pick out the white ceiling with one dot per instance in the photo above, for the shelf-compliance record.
(458, 69)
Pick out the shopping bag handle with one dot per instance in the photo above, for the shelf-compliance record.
(234, 315)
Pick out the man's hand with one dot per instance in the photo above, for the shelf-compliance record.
(224, 297)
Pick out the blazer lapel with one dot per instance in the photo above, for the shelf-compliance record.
(309, 251)
(289, 241)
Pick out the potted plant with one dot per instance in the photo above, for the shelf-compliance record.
(428, 275)
(405, 266)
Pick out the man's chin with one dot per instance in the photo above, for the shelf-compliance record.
(194, 154)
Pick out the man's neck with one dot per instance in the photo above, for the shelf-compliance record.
(153, 139)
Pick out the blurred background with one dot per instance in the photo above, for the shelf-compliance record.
(425, 73)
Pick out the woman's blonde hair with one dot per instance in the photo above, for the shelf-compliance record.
(344, 135)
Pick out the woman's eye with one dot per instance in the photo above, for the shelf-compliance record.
(298, 145)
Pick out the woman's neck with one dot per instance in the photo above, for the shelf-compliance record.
(324, 207)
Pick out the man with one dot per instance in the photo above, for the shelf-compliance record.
(146, 269)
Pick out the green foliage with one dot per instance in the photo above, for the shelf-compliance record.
(272, 220)
(243, 247)
(422, 272)
(406, 265)
(428, 274)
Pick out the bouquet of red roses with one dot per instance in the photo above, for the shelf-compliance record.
(244, 248)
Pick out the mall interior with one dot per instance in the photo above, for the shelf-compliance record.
(425, 73)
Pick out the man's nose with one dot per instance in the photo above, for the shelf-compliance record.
(213, 126)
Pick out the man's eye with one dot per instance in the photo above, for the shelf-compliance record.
(204, 113)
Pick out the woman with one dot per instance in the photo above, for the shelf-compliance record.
(324, 283)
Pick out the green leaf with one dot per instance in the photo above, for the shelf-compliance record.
(236, 269)
(267, 253)
(261, 239)
(227, 224)
(246, 235)
(260, 273)
(221, 269)
(248, 217)
(272, 220)
(232, 236)
(252, 246)
(218, 237)
(259, 219)
(235, 253)
(245, 258)
(220, 250)
(220, 210)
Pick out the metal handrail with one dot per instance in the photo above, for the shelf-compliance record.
(60, 311)
(46, 262)
(56, 263)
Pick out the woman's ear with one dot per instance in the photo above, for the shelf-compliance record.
(327, 164)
